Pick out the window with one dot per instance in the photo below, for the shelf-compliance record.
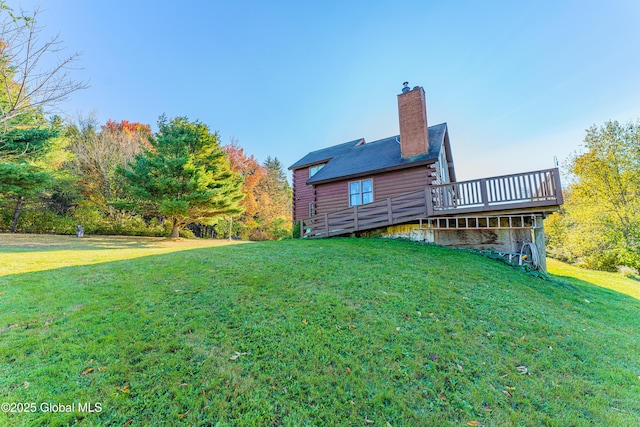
(314, 169)
(310, 210)
(360, 192)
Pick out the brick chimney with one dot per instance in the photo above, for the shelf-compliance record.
(412, 110)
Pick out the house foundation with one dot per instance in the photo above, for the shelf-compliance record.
(498, 234)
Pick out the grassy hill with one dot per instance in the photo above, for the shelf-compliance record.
(332, 332)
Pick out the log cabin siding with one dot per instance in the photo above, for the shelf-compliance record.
(335, 195)
(392, 184)
(303, 194)
(332, 196)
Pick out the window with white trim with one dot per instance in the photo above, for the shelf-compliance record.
(360, 192)
(314, 169)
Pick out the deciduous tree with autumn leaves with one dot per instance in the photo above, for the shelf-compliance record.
(267, 197)
(599, 225)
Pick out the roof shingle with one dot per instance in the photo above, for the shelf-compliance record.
(355, 158)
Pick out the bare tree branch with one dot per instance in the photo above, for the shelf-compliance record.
(28, 82)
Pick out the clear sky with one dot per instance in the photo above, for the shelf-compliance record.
(517, 82)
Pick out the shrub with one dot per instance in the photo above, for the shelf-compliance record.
(296, 230)
(629, 272)
(45, 222)
(187, 234)
(90, 218)
(280, 228)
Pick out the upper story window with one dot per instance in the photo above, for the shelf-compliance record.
(314, 169)
(360, 192)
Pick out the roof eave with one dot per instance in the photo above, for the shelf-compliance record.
(372, 172)
(306, 165)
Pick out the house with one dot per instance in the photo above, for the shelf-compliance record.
(406, 185)
(356, 173)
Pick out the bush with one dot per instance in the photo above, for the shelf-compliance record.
(629, 272)
(45, 222)
(296, 230)
(280, 228)
(95, 221)
(187, 234)
(90, 218)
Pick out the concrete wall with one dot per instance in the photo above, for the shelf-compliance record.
(498, 240)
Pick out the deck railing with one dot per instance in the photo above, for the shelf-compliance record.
(516, 191)
(394, 210)
(501, 193)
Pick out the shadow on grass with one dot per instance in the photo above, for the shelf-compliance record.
(581, 284)
(43, 242)
(31, 253)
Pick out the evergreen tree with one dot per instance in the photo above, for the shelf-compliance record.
(19, 181)
(185, 176)
(22, 175)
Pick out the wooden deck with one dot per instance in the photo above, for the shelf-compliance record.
(525, 192)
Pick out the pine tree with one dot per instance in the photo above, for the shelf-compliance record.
(185, 176)
(19, 181)
(21, 175)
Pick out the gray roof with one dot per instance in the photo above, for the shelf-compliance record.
(325, 154)
(355, 158)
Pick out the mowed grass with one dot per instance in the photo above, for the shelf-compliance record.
(22, 253)
(326, 332)
(614, 281)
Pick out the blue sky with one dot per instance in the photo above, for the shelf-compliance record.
(517, 82)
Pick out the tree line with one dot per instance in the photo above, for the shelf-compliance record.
(119, 177)
(599, 225)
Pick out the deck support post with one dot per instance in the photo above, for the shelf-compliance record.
(538, 240)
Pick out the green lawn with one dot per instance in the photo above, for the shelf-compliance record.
(362, 332)
(614, 281)
(23, 253)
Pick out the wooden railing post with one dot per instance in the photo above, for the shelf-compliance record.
(429, 199)
(389, 211)
(302, 228)
(483, 193)
(557, 186)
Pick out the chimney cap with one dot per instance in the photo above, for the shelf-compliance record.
(405, 87)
